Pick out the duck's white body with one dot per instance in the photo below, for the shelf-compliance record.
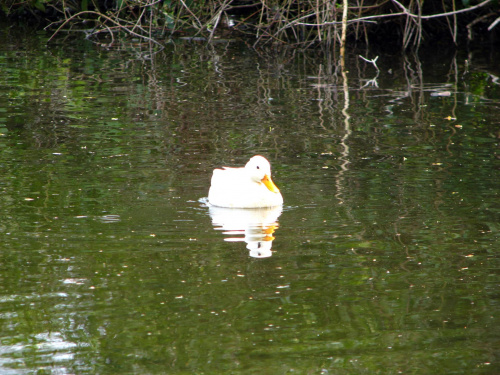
(247, 187)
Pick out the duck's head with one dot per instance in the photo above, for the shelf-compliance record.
(259, 170)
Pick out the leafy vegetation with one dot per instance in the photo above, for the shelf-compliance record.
(300, 23)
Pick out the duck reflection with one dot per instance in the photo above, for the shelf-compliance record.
(255, 226)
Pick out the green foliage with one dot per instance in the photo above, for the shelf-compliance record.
(39, 4)
(300, 23)
(119, 4)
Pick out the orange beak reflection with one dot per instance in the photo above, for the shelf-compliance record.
(270, 184)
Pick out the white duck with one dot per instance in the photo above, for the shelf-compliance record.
(247, 187)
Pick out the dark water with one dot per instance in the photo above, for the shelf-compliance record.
(384, 258)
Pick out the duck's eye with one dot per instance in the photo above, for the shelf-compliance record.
(258, 167)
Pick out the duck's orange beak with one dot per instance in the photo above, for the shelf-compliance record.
(270, 184)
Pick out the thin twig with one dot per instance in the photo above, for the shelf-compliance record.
(194, 16)
(494, 24)
(107, 18)
(408, 13)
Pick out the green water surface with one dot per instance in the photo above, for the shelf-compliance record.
(385, 257)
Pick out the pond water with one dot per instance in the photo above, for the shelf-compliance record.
(383, 259)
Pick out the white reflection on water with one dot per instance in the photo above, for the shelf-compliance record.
(109, 218)
(50, 348)
(255, 226)
(54, 343)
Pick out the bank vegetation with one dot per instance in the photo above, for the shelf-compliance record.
(406, 23)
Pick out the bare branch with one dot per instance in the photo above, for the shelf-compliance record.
(372, 61)
(494, 24)
(122, 27)
(405, 12)
(408, 13)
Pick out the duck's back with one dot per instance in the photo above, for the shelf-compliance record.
(232, 187)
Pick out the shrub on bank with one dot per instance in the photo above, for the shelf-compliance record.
(302, 23)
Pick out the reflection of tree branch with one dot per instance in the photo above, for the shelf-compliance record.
(344, 158)
(455, 91)
(345, 153)
(419, 104)
(450, 141)
(494, 78)
(371, 82)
